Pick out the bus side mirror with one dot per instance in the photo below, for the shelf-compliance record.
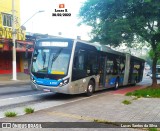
(27, 47)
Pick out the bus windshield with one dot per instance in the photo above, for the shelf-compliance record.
(51, 61)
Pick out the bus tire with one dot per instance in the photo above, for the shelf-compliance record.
(90, 88)
(135, 81)
(116, 86)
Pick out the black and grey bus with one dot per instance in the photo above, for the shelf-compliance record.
(73, 66)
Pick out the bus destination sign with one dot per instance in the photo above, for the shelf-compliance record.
(57, 44)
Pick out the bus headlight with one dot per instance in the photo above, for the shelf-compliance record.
(33, 80)
(64, 82)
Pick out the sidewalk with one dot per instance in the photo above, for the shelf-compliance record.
(103, 106)
(124, 90)
(6, 79)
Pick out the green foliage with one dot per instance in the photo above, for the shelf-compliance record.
(151, 54)
(10, 114)
(107, 30)
(136, 98)
(153, 129)
(29, 110)
(147, 92)
(147, 0)
(120, 21)
(126, 102)
(155, 52)
(101, 121)
(124, 21)
(158, 62)
(147, 58)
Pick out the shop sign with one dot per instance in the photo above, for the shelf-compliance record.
(7, 33)
(1, 45)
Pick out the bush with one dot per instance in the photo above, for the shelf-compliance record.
(29, 110)
(147, 92)
(126, 102)
(10, 114)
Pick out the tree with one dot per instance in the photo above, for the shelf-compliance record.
(123, 21)
(148, 59)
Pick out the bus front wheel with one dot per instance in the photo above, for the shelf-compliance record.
(90, 88)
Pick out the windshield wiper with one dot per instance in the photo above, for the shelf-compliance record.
(44, 58)
(56, 55)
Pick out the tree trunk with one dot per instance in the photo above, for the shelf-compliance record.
(154, 80)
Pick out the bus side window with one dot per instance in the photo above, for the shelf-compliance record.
(74, 62)
(79, 65)
(81, 60)
(92, 64)
(78, 61)
(122, 66)
(113, 65)
(109, 68)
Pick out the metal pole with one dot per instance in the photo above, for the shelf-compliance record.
(14, 68)
(32, 16)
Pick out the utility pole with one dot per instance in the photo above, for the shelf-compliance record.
(14, 66)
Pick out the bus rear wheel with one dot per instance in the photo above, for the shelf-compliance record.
(116, 86)
(135, 81)
(90, 88)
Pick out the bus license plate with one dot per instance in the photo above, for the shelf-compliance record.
(47, 90)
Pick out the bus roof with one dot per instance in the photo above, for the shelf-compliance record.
(137, 58)
(103, 48)
(98, 46)
(53, 38)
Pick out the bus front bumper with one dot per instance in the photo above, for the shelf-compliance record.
(66, 89)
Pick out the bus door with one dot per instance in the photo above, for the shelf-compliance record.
(131, 72)
(102, 71)
(127, 68)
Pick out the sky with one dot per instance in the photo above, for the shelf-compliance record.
(45, 23)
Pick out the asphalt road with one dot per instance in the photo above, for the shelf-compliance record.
(17, 91)
(16, 98)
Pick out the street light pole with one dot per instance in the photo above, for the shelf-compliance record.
(32, 16)
(14, 66)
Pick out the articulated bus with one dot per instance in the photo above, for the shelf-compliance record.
(71, 66)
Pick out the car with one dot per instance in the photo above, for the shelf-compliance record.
(157, 76)
(149, 73)
(157, 72)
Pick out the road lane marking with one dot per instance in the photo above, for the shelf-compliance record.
(63, 103)
(22, 96)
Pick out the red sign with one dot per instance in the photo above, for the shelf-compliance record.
(61, 5)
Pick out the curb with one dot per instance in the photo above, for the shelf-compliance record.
(8, 83)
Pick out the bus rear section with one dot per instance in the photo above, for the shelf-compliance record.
(136, 70)
(119, 69)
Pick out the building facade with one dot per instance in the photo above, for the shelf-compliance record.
(6, 39)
